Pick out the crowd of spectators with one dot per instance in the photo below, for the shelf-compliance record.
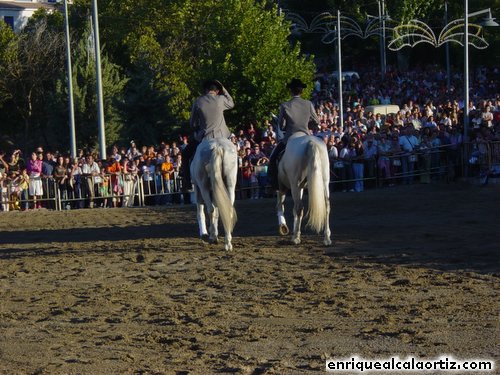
(420, 143)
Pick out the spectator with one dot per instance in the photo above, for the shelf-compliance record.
(75, 182)
(409, 144)
(61, 177)
(24, 180)
(48, 165)
(358, 158)
(91, 174)
(148, 170)
(168, 177)
(370, 159)
(34, 169)
(346, 154)
(248, 180)
(114, 170)
(383, 161)
(115, 153)
(128, 182)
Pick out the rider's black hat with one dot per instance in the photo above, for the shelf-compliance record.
(211, 84)
(296, 83)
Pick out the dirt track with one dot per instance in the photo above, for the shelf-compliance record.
(413, 271)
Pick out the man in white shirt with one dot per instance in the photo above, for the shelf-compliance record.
(409, 144)
(92, 175)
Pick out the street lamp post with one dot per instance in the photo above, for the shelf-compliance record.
(72, 136)
(343, 27)
(466, 70)
(339, 62)
(100, 106)
(381, 17)
(415, 32)
(447, 51)
(490, 21)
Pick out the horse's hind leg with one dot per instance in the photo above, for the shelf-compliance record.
(200, 213)
(280, 208)
(227, 241)
(326, 240)
(214, 224)
(298, 213)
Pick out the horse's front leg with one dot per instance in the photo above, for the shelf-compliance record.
(298, 212)
(280, 209)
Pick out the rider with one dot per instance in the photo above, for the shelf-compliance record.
(207, 121)
(294, 116)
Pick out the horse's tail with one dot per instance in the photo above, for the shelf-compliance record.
(317, 214)
(220, 194)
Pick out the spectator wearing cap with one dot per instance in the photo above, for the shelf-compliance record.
(294, 117)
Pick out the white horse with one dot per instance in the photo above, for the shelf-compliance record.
(305, 163)
(213, 173)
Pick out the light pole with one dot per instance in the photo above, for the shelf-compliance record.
(381, 17)
(490, 21)
(339, 62)
(459, 31)
(72, 136)
(343, 27)
(100, 106)
(447, 51)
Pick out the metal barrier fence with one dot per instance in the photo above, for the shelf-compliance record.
(110, 190)
(105, 190)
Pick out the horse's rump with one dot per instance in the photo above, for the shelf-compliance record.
(213, 173)
(304, 164)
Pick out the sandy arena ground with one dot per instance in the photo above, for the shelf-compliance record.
(412, 271)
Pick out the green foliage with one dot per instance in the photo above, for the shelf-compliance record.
(147, 117)
(85, 98)
(34, 58)
(242, 43)
(7, 55)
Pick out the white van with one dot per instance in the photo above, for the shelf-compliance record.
(383, 109)
(345, 75)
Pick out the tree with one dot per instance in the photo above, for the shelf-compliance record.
(85, 98)
(34, 59)
(147, 118)
(243, 43)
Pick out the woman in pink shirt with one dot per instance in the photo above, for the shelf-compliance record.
(34, 168)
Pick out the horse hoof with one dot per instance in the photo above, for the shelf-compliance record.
(214, 241)
(205, 238)
(283, 229)
(327, 242)
(296, 241)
